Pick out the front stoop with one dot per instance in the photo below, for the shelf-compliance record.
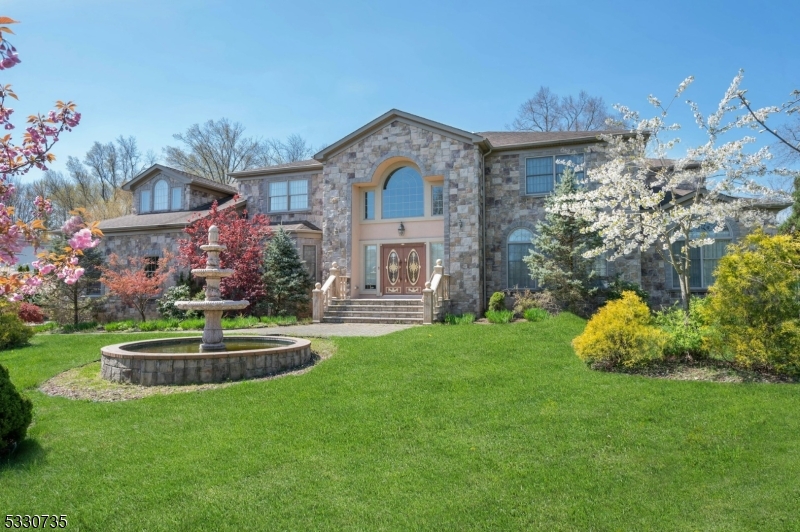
(403, 311)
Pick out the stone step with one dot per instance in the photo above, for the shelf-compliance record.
(343, 319)
(376, 302)
(376, 308)
(359, 314)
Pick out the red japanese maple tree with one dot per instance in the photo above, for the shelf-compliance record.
(244, 238)
(137, 280)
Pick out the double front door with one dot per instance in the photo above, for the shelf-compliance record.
(403, 267)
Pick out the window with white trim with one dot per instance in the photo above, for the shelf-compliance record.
(543, 173)
(703, 260)
(370, 267)
(369, 205)
(161, 196)
(519, 246)
(144, 201)
(310, 258)
(176, 199)
(288, 195)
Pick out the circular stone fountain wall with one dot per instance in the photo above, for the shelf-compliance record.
(131, 362)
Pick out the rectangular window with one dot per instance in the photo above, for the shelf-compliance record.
(437, 253)
(176, 199)
(369, 205)
(144, 201)
(370, 267)
(437, 200)
(542, 173)
(539, 175)
(310, 258)
(576, 160)
(600, 266)
(704, 261)
(298, 195)
(279, 196)
(94, 289)
(288, 195)
(150, 266)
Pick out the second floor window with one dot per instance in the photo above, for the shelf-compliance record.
(543, 173)
(288, 195)
(437, 200)
(144, 201)
(403, 194)
(161, 196)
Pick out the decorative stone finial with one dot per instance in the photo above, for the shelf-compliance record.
(213, 234)
(438, 262)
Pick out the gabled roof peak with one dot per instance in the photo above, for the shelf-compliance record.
(387, 118)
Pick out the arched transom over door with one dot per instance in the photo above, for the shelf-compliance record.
(403, 269)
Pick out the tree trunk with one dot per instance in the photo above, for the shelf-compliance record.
(75, 311)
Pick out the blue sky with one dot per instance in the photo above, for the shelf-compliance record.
(323, 69)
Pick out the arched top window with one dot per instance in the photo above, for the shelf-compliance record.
(161, 196)
(403, 194)
(519, 246)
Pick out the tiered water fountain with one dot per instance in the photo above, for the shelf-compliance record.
(207, 359)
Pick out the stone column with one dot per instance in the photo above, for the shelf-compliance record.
(318, 304)
(427, 304)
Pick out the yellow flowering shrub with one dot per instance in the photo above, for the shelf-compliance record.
(753, 307)
(621, 334)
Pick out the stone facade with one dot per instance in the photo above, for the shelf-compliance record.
(137, 245)
(436, 155)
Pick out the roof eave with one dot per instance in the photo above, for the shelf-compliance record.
(243, 174)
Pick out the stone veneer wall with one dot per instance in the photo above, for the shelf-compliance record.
(256, 191)
(435, 154)
(198, 197)
(136, 245)
(509, 208)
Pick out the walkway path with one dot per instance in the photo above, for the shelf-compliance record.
(323, 330)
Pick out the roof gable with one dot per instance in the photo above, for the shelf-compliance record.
(390, 117)
(160, 169)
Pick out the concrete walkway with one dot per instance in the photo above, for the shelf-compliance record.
(324, 330)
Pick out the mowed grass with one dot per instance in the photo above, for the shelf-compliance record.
(487, 427)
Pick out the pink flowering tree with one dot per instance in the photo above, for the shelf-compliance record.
(17, 157)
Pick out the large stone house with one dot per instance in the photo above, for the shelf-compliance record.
(390, 199)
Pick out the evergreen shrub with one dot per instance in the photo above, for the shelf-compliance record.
(621, 334)
(497, 302)
(16, 413)
(13, 331)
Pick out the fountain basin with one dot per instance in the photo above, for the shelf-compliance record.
(168, 361)
(221, 305)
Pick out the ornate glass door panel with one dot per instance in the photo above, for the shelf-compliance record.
(403, 267)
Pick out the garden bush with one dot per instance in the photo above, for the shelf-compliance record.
(86, 326)
(618, 285)
(621, 334)
(166, 304)
(117, 326)
(497, 302)
(459, 319)
(15, 413)
(499, 316)
(536, 314)
(13, 331)
(754, 304)
(686, 333)
(30, 313)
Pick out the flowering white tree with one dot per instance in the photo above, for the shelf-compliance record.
(638, 198)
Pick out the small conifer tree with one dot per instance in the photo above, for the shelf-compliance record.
(792, 224)
(286, 279)
(557, 261)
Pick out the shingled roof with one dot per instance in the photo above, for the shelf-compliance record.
(514, 139)
(296, 166)
(195, 179)
(162, 220)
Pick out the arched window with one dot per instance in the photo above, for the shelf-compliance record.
(161, 196)
(704, 260)
(519, 246)
(403, 195)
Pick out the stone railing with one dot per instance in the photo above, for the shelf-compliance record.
(435, 294)
(335, 287)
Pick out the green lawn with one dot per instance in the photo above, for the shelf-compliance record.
(491, 427)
